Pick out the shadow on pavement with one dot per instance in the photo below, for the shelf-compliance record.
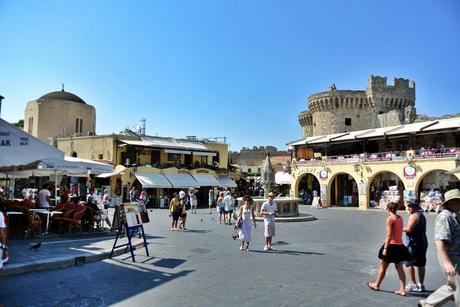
(140, 278)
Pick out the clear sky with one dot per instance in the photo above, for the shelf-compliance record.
(241, 69)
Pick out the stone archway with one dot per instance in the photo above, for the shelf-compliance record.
(343, 190)
(383, 184)
(436, 179)
(431, 186)
(305, 185)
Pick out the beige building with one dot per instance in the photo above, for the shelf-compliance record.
(366, 168)
(59, 114)
(145, 161)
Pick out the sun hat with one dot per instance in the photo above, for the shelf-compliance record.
(451, 194)
(181, 194)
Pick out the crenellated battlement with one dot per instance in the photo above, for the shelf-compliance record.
(362, 108)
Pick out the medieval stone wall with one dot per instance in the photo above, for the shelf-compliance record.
(379, 105)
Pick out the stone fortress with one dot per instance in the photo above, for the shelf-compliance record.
(380, 105)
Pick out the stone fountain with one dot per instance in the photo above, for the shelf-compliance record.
(288, 209)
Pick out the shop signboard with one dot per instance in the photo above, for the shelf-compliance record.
(323, 175)
(410, 172)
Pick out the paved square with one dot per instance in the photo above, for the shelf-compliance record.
(326, 262)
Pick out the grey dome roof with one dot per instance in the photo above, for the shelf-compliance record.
(62, 95)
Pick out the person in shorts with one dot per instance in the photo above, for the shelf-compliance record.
(268, 211)
(447, 239)
(417, 244)
(175, 210)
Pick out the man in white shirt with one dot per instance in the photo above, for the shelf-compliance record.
(268, 211)
(44, 196)
(229, 203)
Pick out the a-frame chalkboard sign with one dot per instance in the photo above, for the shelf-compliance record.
(128, 219)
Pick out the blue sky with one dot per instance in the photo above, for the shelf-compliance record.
(240, 69)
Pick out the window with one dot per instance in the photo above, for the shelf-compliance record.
(31, 124)
(173, 157)
(78, 125)
(347, 121)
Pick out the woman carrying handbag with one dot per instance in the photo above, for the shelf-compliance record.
(245, 214)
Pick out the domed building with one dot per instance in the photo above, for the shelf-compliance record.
(59, 114)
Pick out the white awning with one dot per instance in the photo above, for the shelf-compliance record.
(206, 180)
(204, 153)
(182, 181)
(106, 175)
(226, 182)
(174, 151)
(283, 178)
(153, 180)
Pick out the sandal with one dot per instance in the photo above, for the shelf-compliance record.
(372, 286)
(400, 293)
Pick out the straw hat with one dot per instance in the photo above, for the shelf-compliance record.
(451, 194)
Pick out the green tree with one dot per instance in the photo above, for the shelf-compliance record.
(19, 124)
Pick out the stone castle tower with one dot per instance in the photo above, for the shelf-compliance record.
(380, 105)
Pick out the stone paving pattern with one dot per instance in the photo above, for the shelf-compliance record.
(325, 262)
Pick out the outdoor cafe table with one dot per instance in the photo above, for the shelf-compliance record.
(48, 213)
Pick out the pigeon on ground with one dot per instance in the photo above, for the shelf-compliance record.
(36, 246)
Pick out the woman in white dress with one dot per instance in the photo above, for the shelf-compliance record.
(245, 214)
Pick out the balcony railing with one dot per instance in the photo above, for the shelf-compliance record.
(385, 156)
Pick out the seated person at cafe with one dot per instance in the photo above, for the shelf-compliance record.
(64, 194)
(44, 197)
(91, 203)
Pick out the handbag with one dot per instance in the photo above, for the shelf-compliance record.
(239, 222)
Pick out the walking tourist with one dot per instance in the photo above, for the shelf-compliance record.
(447, 239)
(417, 244)
(210, 200)
(132, 194)
(44, 196)
(220, 207)
(185, 203)
(106, 199)
(193, 200)
(268, 211)
(175, 210)
(229, 203)
(143, 197)
(3, 247)
(246, 213)
(392, 250)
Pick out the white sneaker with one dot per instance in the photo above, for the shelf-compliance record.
(412, 288)
(265, 248)
(272, 249)
(421, 288)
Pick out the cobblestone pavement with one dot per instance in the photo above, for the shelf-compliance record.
(326, 262)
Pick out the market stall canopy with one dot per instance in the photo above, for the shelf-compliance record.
(283, 178)
(153, 180)
(206, 180)
(182, 181)
(226, 182)
(110, 174)
(67, 166)
(19, 150)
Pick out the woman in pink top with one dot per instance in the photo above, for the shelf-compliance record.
(392, 250)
